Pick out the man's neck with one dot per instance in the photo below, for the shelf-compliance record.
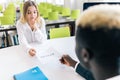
(102, 73)
(105, 74)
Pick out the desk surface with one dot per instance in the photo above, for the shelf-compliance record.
(15, 59)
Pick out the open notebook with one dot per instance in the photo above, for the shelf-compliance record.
(31, 74)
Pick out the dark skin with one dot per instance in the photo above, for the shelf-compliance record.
(98, 41)
(67, 60)
(100, 72)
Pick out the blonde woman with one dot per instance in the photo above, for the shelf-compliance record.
(31, 27)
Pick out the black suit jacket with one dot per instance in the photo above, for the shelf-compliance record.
(84, 73)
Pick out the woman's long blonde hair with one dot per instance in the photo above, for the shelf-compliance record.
(25, 7)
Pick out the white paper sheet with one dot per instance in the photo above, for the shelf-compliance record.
(48, 55)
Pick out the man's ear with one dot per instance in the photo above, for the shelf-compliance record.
(85, 55)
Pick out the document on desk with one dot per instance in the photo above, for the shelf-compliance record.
(48, 55)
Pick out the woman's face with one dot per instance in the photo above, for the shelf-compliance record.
(31, 14)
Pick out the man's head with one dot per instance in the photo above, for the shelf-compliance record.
(98, 38)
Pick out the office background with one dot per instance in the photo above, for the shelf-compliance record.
(71, 4)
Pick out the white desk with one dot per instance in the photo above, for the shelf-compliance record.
(15, 59)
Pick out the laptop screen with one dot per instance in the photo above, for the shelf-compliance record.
(88, 4)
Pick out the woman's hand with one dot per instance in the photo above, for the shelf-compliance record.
(32, 52)
(67, 60)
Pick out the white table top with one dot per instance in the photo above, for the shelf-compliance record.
(15, 60)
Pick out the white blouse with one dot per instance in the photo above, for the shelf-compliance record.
(27, 36)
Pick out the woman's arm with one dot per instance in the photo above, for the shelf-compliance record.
(40, 33)
(21, 36)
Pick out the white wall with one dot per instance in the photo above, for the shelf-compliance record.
(79, 4)
(74, 4)
(68, 3)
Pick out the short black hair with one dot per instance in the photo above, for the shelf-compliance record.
(103, 44)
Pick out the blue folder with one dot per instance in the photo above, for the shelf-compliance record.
(31, 74)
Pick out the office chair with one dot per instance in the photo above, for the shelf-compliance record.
(75, 14)
(7, 20)
(1, 8)
(59, 32)
(46, 12)
(53, 16)
(66, 12)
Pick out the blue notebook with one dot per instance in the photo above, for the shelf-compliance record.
(31, 74)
